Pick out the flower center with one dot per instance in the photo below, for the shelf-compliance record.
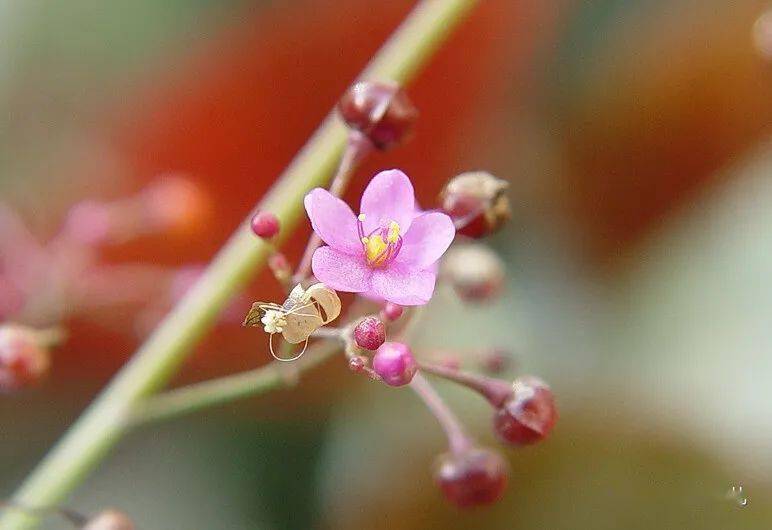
(382, 245)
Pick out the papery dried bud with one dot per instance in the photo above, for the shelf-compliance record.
(174, 203)
(474, 477)
(265, 225)
(477, 203)
(23, 359)
(370, 333)
(110, 520)
(394, 363)
(381, 111)
(392, 311)
(475, 272)
(529, 415)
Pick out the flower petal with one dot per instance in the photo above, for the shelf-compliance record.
(429, 237)
(333, 221)
(402, 285)
(388, 197)
(340, 271)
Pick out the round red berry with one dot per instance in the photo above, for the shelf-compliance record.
(265, 225)
(370, 333)
(381, 111)
(475, 477)
(529, 416)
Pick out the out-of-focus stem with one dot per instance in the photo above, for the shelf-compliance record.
(458, 440)
(102, 425)
(358, 146)
(199, 396)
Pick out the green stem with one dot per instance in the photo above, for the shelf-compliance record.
(199, 396)
(101, 426)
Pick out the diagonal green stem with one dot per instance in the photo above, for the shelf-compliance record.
(101, 426)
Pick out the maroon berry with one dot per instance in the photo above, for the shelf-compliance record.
(110, 520)
(23, 360)
(475, 477)
(370, 333)
(391, 311)
(381, 111)
(476, 202)
(394, 363)
(529, 416)
(265, 225)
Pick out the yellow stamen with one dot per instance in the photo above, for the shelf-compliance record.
(375, 250)
(361, 217)
(393, 232)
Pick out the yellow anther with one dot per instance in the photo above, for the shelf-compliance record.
(393, 235)
(365, 240)
(375, 250)
(361, 217)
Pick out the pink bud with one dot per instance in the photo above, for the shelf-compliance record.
(265, 225)
(23, 361)
(370, 333)
(89, 222)
(394, 363)
(391, 311)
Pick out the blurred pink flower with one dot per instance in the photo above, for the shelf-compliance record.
(387, 252)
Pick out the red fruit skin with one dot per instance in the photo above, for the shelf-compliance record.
(529, 416)
(470, 213)
(381, 111)
(265, 225)
(370, 333)
(477, 477)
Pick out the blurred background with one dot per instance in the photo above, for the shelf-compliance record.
(635, 135)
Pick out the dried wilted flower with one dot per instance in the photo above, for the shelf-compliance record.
(303, 312)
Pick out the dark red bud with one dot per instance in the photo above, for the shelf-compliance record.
(381, 111)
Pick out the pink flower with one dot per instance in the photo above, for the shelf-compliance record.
(387, 252)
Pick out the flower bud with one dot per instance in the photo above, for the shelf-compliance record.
(529, 415)
(381, 111)
(23, 359)
(110, 520)
(265, 225)
(475, 272)
(474, 477)
(391, 311)
(280, 267)
(370, 333)
(394, 363)
(476, 202)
